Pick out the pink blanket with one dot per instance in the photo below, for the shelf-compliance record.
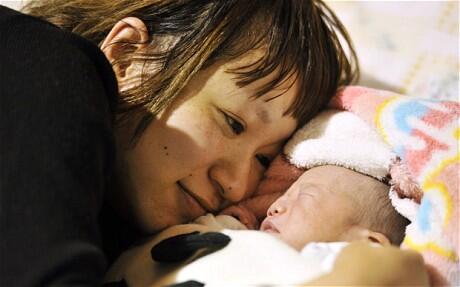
(425, 134)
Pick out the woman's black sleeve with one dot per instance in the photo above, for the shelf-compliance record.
(55, 149)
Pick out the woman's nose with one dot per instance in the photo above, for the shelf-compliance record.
(233, 179)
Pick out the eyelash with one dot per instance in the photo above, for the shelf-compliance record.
(234, 124)
(237, 128)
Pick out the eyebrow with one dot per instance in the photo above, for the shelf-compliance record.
(263, 115)
(308, 185)
(261, 112)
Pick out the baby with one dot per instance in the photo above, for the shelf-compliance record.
(332, 203)
(339, 194)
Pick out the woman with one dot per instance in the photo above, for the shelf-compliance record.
(207, 93)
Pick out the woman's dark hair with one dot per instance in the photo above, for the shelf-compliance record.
(300, 38)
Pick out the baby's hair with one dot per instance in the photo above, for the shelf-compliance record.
(378, 214)
(301, 39)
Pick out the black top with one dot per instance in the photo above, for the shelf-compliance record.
(58, 96)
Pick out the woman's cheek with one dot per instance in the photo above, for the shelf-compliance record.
(195, 137)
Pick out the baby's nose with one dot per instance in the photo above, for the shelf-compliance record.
(275, 210)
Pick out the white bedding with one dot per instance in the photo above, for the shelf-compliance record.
(252, 258)
(409, 47)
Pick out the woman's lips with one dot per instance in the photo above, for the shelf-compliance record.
(209, 205)
(194, 206)
(269, 227)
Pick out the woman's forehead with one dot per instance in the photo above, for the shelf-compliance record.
(251, 63)
(284, 94)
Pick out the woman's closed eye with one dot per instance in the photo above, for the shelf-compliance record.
(236, 126)
(305, 193)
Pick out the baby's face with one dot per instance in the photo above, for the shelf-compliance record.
(317, 207)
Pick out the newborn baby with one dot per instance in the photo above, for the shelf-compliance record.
(331, 203)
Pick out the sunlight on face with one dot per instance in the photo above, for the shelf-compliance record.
(210, 147)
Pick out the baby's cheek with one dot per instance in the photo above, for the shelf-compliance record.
(297, 231)
(293, 240)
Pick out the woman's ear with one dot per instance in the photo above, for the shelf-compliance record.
(379, 238)
(127, 36)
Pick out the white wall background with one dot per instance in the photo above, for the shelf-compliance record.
(15, 4)
(410, 47)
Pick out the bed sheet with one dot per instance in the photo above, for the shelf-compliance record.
(409, 47)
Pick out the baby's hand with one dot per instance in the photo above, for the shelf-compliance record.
(241, 213)
(383, 266)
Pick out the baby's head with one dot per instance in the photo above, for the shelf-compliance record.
(332, 203)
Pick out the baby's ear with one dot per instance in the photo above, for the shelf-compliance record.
(377, 237)
(359, 233)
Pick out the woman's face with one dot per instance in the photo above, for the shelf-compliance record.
(209, 148)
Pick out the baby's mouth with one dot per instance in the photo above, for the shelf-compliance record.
(268, 227)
